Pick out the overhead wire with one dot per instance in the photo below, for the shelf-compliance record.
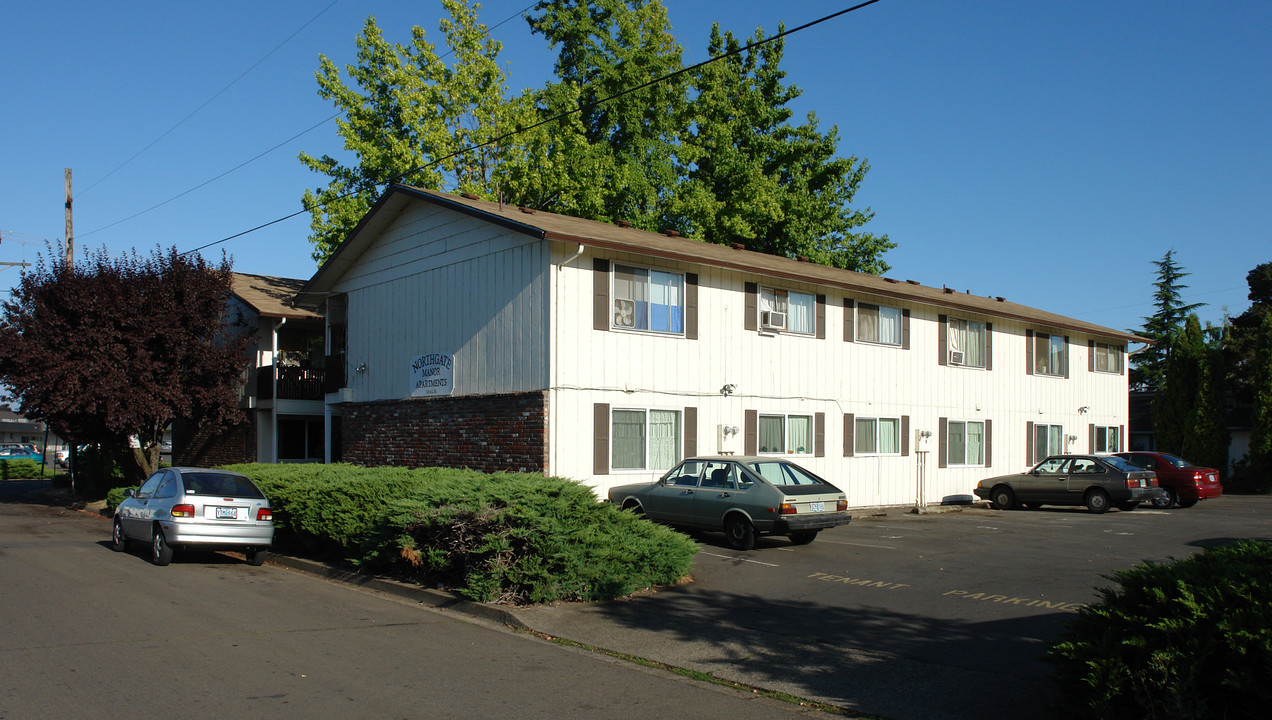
(555, 118)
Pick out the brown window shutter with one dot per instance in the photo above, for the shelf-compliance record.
(1121, 437)
(989, 442)
(600, 438)
(850, 307)
(942, 442)
(850, 420)
(751, 432)
(989, 346)
(1121, 361)
(1029, 354)
(751, 313)
(1090, 356)
(1091, 437)
(905, 435)
(1066, 357)
(942, 327)
(819, 434)
(691, 306)
(600, 296)
(821, 317)
(905, 329)
(1029, 448)
(690, 430)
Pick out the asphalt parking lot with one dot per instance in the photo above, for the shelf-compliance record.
(907, 616)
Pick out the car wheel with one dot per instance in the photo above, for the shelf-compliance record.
(118, 540)
(739, 532)
(1166, 500)
(1187, 503)
(1002, 498)
(160, 550)
(255, 556)
(1097, 501)
(803, 537)
(1127, 506)
(634, 507)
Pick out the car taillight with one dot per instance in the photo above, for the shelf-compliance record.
(786, 509)
(264, 514)
(841, 506)
(1153, 482)
(184, 510)
(1135, 482)
(1197, 478)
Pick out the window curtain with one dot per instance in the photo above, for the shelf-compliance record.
(772, 434)
(957, 443)
(865, 442)
(666, 293)
(803, 313)
(889, 435)
(1055, 355)
(868, 323)
(1055, 439)
(628, 439)
(801, 434)
(890, 325)
(664, 439)
(974, 344)
(975, 443)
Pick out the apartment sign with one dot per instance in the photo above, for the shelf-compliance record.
(432, 374)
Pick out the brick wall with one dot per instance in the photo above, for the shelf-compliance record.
(490, 433)
(199, 446)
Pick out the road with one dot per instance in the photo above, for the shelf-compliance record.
(93, 633)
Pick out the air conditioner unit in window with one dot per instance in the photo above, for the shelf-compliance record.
(624, 313)
(956, 357)
(770, 320)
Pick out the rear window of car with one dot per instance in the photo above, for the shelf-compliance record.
(780, 473)
(1176, 461)
(219, 484)
(1122, 464)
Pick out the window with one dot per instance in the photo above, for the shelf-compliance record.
(644, 439)
(1108, 358)
(790, 311)
(1107, 440)
(1047, 440)
(877, 436)
(1049, 354)
(648, 300)
(879, 324)
(790, 434)
(967, 342)
(966, 443)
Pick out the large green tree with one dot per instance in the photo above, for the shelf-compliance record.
(1258, 460)
(1160, 327)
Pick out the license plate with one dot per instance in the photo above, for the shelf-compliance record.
(227, 513)
(817, 507)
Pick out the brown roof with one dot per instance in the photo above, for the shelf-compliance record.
(271, 296)
(613, 237)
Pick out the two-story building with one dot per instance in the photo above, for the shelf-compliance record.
(494, 337)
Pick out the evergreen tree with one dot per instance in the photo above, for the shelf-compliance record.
(1206, 439)
(1259, 457)
(1175, 404)
(1162, 325)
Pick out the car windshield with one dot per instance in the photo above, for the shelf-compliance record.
(220, 484)
(777, 472)
(1121, 464)
(1176, 461)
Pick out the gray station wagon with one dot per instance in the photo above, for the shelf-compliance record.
(742, 496)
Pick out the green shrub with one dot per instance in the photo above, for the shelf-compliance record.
(502, 537)
(1189, 639)
(114, 496)
(15, 469)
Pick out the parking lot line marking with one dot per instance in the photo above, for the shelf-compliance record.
(735, 557)
(841, 542)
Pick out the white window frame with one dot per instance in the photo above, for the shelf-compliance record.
(786, 434)
(1048, 341)
(778, 300)
(645, 461)
(1102, 434)
(625, 307)
(866, 310)
(1107, 352)
(875, 434)
(1039, 453)
(950, 445)
(957, 332)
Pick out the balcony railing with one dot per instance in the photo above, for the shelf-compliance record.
(294, 383)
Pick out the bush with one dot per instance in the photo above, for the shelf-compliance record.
(15, 469)
(513, 538)
(114, 496)
(1189, 639)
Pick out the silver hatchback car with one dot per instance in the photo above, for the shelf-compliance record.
(195, 508)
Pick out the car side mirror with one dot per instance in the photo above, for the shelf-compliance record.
(130, 492)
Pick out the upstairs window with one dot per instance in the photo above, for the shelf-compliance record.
(1049, 355)
(787, 311)
(966, 342)
(1107, 357)
(879, 324)
(646, 299)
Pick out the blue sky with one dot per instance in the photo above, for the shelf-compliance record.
(1044, 152)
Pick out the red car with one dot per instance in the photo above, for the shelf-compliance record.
(1183, 482)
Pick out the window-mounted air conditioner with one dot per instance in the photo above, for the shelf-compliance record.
(770, 320)
(624, 313)
(956, 357)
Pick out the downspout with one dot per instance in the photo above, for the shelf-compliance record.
(273, 411)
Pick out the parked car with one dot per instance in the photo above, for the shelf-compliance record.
(1096, 481)
(195, 508)
(1183, 483)
(742, 496)
(20, 452)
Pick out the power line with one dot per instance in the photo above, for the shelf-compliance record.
(559, 116)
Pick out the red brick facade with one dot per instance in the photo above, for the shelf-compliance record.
(196, 446)
(491, 433)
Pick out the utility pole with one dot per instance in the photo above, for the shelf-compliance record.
(70, 241)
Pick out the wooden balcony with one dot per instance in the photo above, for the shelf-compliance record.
(294, 383)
